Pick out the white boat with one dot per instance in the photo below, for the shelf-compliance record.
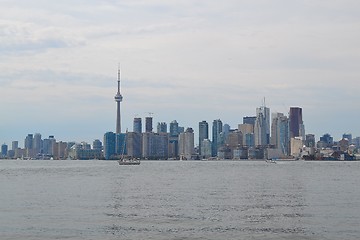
(124, 161)
(129, 162)
(270, 161)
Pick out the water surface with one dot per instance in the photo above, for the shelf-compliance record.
(179, 200)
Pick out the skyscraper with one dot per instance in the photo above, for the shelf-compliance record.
(161, 127)
(174, 129)
(280, 132)
(4, 150)
(296, 122)
(137, 128)
(186, 144)
(249, 120)
(29, 141)
(262, 126)
(174, 139)
(14, 145)
(37, 143)
(118, 100)
(109, 145)
(148, 124)
(216, 138)
(203, 133)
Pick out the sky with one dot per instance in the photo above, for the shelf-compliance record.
(181, 60)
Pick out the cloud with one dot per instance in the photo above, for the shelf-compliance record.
(23, 38)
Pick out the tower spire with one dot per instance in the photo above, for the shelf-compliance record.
(119, 78)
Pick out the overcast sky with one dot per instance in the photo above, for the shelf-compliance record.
(181, 59)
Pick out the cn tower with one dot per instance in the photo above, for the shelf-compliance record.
(118, 99)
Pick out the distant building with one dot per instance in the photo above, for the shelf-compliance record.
(310, 140)
(148, 124)
(78, 151)
(262, 126)
(174, 129)
(205, 149)
(59, 150)
(356, 142)
(174, 139)
(120, 147)
(14, 145)
(296, 122)
(234, 141)
(203, 133)
(245, 129)
(48, 145)
(249, 140)
(97, 145)
(29, 141)
(216, 138)
(280, 137)
(134, 144)
(326, 141)
(155, 145)
(4, 150)
(296, 145)
(161, 127)
(37, 143)
(137, 127)
(109, 145)
(186, 144)
(249, 120)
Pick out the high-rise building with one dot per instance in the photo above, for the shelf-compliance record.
(29, 141)
(134, 144)
(216, 137)
(174, 129)
(161, 127)
(120, 147)
(97, 145)
(249, 140)
(37, 143)
(280, 137)
(174, 139)
(234, 141)
(326, 141)
(262, 126)
(246, 128)
(225, 132)
(14, 145)
(148, 124)
(205, 148)
(118, 99)
(249, 120)
(186, 144)
(4, 150)
(109, 145)
(155, 145)
(48, 145)
(137, 128)
(296, 122)
(310, 140)
(203, 133)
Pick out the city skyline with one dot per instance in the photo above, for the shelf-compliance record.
(180, 60)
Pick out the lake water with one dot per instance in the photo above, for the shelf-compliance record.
(179, 200)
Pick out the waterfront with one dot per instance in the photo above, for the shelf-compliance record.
(179, 200)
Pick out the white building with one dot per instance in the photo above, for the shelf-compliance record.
(186, 144)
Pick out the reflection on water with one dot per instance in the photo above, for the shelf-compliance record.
(179, 200)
